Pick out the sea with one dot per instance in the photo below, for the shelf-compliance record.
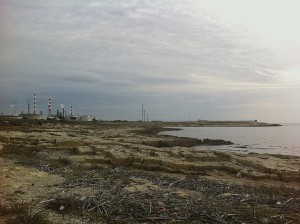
(284, 140)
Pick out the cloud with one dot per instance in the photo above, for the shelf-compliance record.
(135, 51)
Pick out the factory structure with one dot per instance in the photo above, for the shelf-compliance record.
(59, 114)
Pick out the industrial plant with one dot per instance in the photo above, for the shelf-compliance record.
(61, 114)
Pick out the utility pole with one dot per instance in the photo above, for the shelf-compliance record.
(142, 112)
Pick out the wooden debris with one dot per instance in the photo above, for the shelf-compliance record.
(222, 202)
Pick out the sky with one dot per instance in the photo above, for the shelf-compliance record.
(183, 60)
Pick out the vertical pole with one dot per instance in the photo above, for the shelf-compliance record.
(71, 110)
(142, 112)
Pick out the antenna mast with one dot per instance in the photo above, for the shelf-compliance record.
(142, 112)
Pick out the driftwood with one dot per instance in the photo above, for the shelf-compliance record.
(206, 201)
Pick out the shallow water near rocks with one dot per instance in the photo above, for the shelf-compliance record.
(284, 140)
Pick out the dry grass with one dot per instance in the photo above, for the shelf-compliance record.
(22, 213)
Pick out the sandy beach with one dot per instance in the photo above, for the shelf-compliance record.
(123, 172)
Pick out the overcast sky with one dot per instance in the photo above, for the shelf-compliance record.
(191, 59)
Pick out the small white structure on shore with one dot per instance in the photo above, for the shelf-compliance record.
(86, 118)
(80, 118)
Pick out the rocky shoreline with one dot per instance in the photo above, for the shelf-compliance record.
(126, 173)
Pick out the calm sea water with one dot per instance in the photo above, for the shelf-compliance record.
(283, 140)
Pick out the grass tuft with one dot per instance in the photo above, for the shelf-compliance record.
(22, 213)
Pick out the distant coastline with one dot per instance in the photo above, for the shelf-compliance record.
(207, 123)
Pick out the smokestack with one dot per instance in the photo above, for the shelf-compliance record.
(71, 110)
(28, 106)
(63, 110)
(49, 107)
(34, 103)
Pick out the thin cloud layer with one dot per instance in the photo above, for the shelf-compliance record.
(109, 57)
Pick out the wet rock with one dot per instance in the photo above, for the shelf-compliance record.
(207, 141)
(176, 141)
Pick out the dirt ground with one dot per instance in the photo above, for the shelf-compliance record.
(54, 172)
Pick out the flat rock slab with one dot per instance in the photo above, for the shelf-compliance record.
(84, 150)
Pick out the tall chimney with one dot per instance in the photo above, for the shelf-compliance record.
(28, 106)
(49, 107)
(34, 103)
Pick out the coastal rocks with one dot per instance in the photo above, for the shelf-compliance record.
(287, 176)
(207, 141)
(184, 142)
(83, 150)
(5, 139)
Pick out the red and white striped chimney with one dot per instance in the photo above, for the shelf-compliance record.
(34, 103)
(49, 107)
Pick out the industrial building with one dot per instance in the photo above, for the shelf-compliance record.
(60, 114)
